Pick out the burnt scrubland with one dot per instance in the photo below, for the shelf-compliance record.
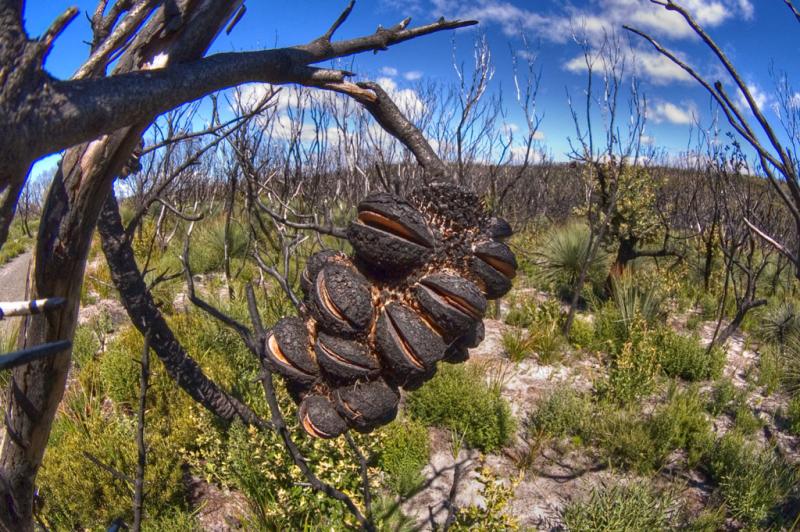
(334, 305)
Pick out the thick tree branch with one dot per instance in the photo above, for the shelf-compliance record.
(78, 110)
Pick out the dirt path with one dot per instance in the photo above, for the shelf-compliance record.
(12, 284)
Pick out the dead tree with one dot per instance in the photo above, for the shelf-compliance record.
(159, 65)
(778, 159)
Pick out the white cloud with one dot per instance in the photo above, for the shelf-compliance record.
(406, 99)
(596, 19)
(413, 75)
(669, 112)
(651, 65)
(539, 135)
(759, 96)
(389, 71)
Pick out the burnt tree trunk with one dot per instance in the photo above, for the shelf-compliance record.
(70, 213)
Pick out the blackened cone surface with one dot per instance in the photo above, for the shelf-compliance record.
(341, 300)
(453, 206)
(498, 228)
(315, 263)
(407, 345)
(288, 353)
(367, 405)
(493, 283)
(498, 255)
(394, 214)
(319, 417)
(451, 302)
(385, 252)
(345, 360)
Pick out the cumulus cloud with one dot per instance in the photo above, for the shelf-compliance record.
(596, 18)
(413, 75)
(600, 18)
(664, 111)
(389, 71)
(406, 99)
(759, 96)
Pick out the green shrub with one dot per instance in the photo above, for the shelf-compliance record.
(610, 332)
(793, 415)
(685, 357)
(120, 369)
(745, 420)
(581, 334)
(404, 452)
(79, 494)
(680, 424)
(751, 483)
(459, 399)
(634, 507)
(634, 367)
(723, 395)
(563, 412)
(643, 444)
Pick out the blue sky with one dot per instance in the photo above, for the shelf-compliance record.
(757, 34)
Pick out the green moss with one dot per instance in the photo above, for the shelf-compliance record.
(459, 399)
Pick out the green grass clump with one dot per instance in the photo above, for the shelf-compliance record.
(770, 370)
(745, 420)
(685, 357)
(404, 452)
(622, 507)
(751, 483)
(643, 444)
(459, 399)
(517, 345)
(564, 252)
(793, 415)
(563, 412)
(723, 396)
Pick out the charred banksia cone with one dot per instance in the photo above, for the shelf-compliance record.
(413, 294)
(319, 417)
(408, 346)
(390, 234)
(368, 405)
(341, 301)
(451, 303)
(288, 352)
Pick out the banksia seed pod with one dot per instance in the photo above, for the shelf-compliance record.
(452, 303)
(319, 418)
(406, 343)
(495, 266)
(413, 294)
(287, 351)
(390, 234)
(368, 405)
(345, 360)
(340, 300)
(315, 263)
